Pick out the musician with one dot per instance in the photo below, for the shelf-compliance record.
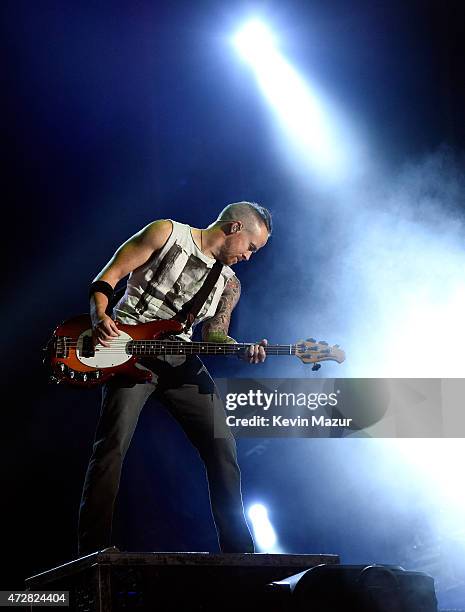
(167, 263)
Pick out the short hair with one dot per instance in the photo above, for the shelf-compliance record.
(245, 211)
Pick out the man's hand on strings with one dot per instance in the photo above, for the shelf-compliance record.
(255, 353)
(104, 330)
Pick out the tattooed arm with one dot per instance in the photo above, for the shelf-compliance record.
(216, 328)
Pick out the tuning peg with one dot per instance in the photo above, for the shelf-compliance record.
(316, 367)
(311, 340)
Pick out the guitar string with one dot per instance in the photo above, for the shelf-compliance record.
(175, 344)
(234, 347)
(190, 347)
(157, 346)
(181, 343)
(168, 341)
(184, 349)
(202, 350)
(157, 350)
(173, 347)
(106, 351)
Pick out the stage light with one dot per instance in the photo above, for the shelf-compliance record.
(310, 122)
(265, 535)
(254, 41)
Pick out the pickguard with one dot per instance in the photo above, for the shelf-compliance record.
(104, 357)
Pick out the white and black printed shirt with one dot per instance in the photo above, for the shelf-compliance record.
(159, 288)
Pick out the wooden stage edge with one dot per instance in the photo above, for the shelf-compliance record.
(113, 557)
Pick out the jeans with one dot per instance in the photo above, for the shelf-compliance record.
(189, 394)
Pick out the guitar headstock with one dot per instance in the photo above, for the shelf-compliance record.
(311, 351)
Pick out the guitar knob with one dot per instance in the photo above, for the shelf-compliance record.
(316, 367)
(62, 366)
(97, 374)
(71, 374)
(84, 377)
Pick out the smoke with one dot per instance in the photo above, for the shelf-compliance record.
(405, 254)
(383, 265)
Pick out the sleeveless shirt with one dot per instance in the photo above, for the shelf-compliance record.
(159, 288)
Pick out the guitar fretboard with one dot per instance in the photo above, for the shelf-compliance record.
(173, 347)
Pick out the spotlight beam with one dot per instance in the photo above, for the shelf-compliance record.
(265, 535)
(314, 129)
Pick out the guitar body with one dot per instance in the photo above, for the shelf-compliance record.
(73, 359)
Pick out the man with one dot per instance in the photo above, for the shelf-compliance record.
(168, 262)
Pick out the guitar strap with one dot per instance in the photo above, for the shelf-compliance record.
(192, 308)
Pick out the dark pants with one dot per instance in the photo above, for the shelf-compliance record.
(189, 394)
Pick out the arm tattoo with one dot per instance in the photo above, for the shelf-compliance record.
(216, 328)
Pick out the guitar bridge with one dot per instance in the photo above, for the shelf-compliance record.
(61, 346)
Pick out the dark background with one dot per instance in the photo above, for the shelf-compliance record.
(118, 113)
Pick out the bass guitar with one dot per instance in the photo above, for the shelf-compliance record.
(74, 360)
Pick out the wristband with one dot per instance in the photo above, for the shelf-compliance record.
(101, 287)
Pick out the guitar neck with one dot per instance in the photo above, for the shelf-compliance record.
(179, 347)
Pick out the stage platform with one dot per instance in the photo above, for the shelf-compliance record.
(167, 582)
